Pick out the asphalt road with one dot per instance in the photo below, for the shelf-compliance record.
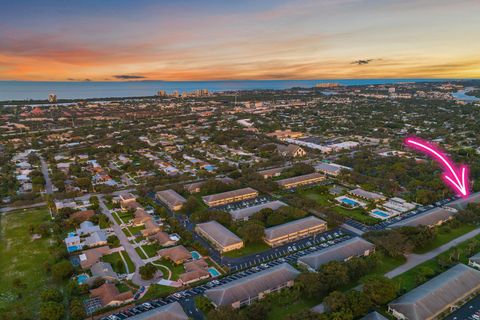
(414, 260)
(46, 176)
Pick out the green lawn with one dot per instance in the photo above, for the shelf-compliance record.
(151, 249)
(23, 258)
(176, 270)
(445, 235)
(157, 291)
(357, 214)
(321, 198)
(117, 263)
(133, 230)
(282, 307)
(247, 250)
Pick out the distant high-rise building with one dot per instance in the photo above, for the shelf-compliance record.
(161, 93)
(52, 98)
(327, 85)
(391, 90)
(175, 94)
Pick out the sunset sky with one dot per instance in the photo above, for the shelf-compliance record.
(246, 39)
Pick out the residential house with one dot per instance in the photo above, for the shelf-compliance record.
(177, 254)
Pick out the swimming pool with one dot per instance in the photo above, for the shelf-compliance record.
(74, 248)
(213, 272)
(72, 234)
(350, 202)
(81, 279)
(196, 255)
(380, 214)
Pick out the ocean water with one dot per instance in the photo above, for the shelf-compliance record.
(31, 90)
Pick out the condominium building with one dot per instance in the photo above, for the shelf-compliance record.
(229, 197)
(294, 230)
(299, 181)
(171, 199)
(343, 251)
(221, 238)
(247, 290)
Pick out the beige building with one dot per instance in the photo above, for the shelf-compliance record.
(221, 238)
(247, 290)
(171, 199)
(294, 230)
(299, 181)
(229, 197)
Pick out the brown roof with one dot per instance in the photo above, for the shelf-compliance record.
(141, 216)
(228, 194)
(177, 253)
(151, 227)
(300, 179)
(195, 265)
(219, 233)
(161, 237)
(108, 293)
(172, 311)
(193, 275)
(292, 227)
(91, 256)
(81, 216)
(131, 205)
(170, 197)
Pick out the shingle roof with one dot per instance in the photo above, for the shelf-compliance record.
(228, 194)
(170, 197)
(427, 218)
(172, 311)
(175, 253)
(338, 252)
(252, 285)
(292, 226)
(103, 269)
(302, 178)
(247, 212)
(374, 316)
(434, 296)
(219, 233)
(366, 194)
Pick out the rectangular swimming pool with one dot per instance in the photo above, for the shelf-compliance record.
(350, 202)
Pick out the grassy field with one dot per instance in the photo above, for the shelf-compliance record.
(357, 214)
(321, 198)
(23, 258)
(247, 250)
(445, 235)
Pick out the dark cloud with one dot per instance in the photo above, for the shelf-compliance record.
(362, 61)
(127, 77)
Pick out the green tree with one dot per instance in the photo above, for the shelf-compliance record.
(62, 270)
(252, 232)
(380, 290)
(51, 310)
(51, 294)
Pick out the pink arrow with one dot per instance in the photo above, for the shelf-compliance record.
(456, 178)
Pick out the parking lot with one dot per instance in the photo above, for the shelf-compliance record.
(185, 298)
(384, 224)
(290, 249)
(243, 204)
